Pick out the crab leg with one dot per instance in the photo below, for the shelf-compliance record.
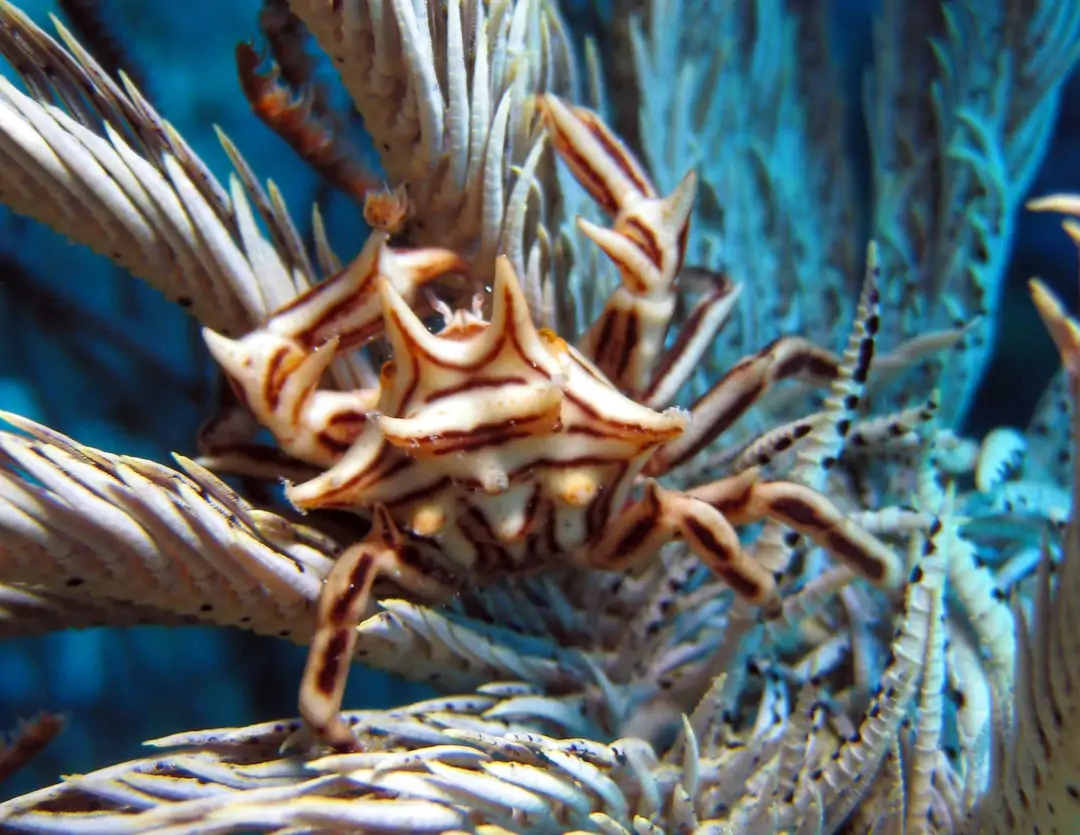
(738, 390)
(661, 516)
(276, 370)
(347, 306)
(743, 499)
(696, 336)
(342, 604)
(647, 242)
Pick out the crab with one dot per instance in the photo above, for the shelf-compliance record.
(492, 447)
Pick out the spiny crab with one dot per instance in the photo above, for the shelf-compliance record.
(493, 447)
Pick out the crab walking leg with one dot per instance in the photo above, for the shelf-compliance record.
(738, 390)
(647, 242)
(276, 370)
(342, 603)
(744, 499)
(661, 516)
(696, 336)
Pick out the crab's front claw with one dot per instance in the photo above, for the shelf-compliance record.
(595, 156)
(647, 242)
(277, 380)
(258, 367)
(276, 370)
(648, 238)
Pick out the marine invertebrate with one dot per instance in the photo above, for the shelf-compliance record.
(491, 448)
(646, 700)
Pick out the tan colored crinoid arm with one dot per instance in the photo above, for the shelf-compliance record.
(1063, 328)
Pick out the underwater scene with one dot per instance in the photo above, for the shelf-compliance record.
(520, 416)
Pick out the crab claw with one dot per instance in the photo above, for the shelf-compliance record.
(597, 157)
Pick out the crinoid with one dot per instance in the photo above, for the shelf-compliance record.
(660, 589)
(491, 448)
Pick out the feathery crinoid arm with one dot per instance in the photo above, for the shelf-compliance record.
(90, 538)
(93, 160)
(447, 764)
(133, 538)
(960, 105)
(445, 92)
(1040, 751)
(27, 609)
(760, 120)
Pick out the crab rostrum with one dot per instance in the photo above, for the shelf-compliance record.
(492, 447)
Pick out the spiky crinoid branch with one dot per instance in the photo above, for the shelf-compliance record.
(145, 200)
(505, 756)
(148, 202)
(498, 757)
(1035, 769)
(793, 730)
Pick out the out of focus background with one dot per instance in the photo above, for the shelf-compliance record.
(101, 357)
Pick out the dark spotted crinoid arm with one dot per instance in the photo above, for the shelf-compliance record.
(90, 536)
(91, 158)
(1035, 761)
(1040, 752)
(342, 604)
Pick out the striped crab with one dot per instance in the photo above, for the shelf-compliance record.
(491, 447)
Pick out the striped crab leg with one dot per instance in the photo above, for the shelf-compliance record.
(739, 389)
(342, 605)
(647, 242)
(276, 370)
(659, 517)
(744, 499)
